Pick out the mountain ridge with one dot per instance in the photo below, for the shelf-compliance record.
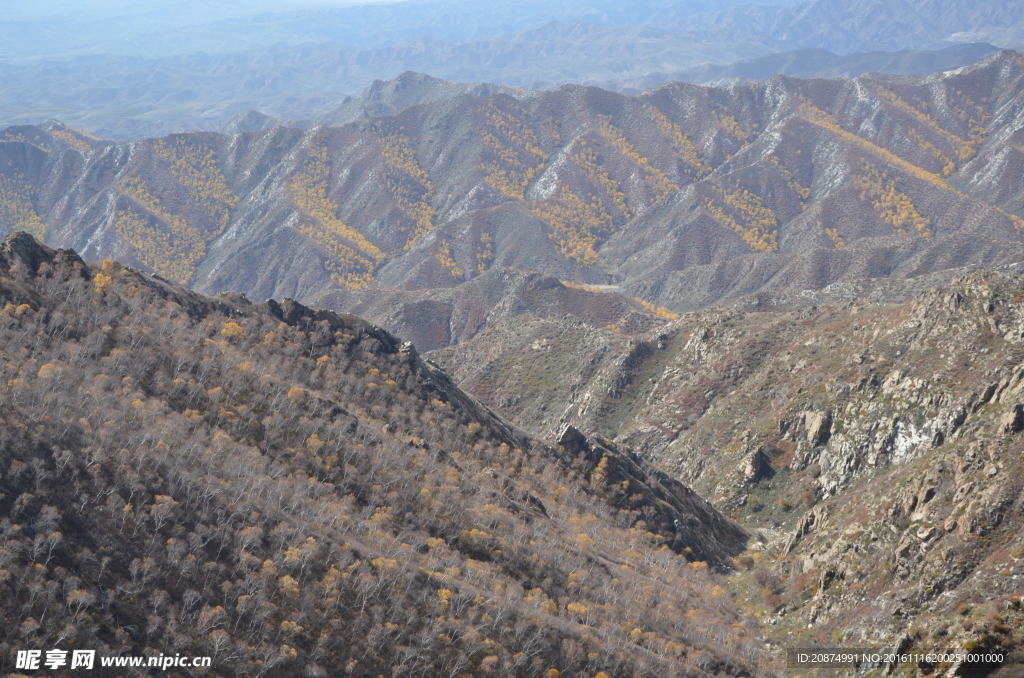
(282, 489)
(684, 196)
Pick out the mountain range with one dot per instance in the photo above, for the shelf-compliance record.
(122, 97)
(650, 340)
(683, 196)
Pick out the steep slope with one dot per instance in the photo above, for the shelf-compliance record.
(290, 492)
(683, 196)
(874, 447)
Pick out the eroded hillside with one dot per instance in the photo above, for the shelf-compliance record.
(437, 318)
(873, 447)
(293, 492)
(683, 195)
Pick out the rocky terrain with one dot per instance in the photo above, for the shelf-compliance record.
(874, 447)
(296, 492)
(656, 381)
(683, 196)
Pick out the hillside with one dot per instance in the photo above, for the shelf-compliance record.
(293, 492)
(874, 447)
(683, 196)
(441, 317)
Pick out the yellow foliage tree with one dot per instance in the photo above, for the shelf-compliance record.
(576, 225)
(684, 147)
(194, 166)
(71, 140)
(662, 184)
(757, 224)
(16, 206)
(965, 147)
(586, 160)
(409, 184)
(836, 240)
(512, 152)
(351, 258)
(797, 187)
(164, 242)
(486, 253)
(893, 207)
(444, 257)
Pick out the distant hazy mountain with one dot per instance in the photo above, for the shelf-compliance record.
(845, 26)
(410, 88)
(125, 97)
(123, 72)
(55, 29)
(815, 62)
(128, 98)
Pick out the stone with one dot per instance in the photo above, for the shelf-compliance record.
(819, 427)
(756, 467)
(1013, 420)
(571, 440)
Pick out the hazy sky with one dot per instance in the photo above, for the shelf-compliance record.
(22, 10)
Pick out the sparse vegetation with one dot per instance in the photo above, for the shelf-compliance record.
(893, 207)
(351, 258)
(285, 491)
(16, 206)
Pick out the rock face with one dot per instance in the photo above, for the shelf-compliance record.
(756, 467)
(682, 196)
(688, 521)
(873, 447)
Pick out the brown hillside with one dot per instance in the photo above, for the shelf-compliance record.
(291, 492)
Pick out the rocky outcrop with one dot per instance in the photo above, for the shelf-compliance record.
(685, 521)
(893, 431)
